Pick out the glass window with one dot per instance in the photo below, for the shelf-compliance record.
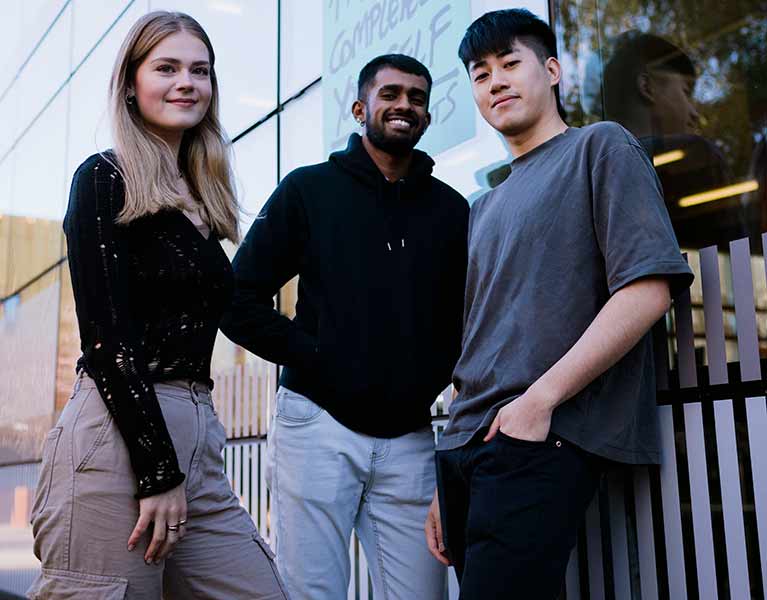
(89, 128)
(301, 45)
(92, 19)
(10, 45)
(301, 145)
(36, 203)
(28, 363)
(36, 17)
(690, 82)
(255, 166)
(46, 71)
(244, 38)
(479, 164)
(9, 122)
(692, 87)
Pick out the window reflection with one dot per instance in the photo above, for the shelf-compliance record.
(27, 360)
(692, 87)
(244, 36)
(690, 82)
(301, 145)
(300, 45)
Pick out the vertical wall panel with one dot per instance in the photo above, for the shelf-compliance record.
(648, 577)
(618, 535)
(696, 453)
(724, 424)
(594, 552)
(672, 513)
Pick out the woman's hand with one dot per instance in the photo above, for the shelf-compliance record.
(164, 510)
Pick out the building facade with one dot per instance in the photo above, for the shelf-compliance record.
(687, 77)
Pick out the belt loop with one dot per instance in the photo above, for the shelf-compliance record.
(78, 380)
(195, 394)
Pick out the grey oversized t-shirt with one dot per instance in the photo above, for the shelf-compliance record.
(580, 216)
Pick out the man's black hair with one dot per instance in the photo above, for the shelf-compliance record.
(401, 62)
(496, 31)
(633, 53)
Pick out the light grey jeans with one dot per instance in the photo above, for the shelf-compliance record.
(85, 510)
(325, 481)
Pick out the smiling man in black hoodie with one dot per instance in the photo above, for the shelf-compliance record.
(380, 249)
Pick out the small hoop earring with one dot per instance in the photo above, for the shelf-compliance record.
(361, 122)
(130, 100)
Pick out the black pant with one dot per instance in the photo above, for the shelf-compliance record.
(510, 513)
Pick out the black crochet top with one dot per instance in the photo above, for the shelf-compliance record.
(149, 296)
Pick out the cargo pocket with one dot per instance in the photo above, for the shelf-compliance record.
(279, 584)
(56, 583)
(46, 471)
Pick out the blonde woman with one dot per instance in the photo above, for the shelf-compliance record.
(132, 500)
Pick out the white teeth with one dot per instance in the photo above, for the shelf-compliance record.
(400, 122)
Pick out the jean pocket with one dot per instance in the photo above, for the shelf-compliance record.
(50, 447)
(58, 583)
(295, 408)
(518, 442)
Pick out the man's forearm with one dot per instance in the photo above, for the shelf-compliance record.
(618, 327)
(262, 330)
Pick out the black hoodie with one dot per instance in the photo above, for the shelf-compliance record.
(381, 267)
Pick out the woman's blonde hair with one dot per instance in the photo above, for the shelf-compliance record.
(146, 162)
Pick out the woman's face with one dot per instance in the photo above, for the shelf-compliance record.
(173, 86)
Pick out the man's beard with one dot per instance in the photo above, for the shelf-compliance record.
(394, 145)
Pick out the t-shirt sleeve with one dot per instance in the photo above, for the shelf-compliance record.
(632, 225)
(112, 353)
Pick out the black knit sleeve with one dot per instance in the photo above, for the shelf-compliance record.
(112, 352)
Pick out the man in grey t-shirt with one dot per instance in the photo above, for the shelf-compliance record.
(571, 261)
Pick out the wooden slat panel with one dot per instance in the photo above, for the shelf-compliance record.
(618, 535)
(648, 577)
(700, 500)
(352, 595)
(714, 316)
(724, 425)
(572, 577)
(247, 461)
(594, 552)
(756, 416)
(266, 520)
(362, 574)
(238, 401)
(227, 398)
(672, 513)
(685, 340)
(745, 312)
(696, 453)
(452, 585)
(732, 502)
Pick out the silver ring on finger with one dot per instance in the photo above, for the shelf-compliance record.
(173, 528)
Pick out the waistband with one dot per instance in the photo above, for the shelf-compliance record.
(181, 388)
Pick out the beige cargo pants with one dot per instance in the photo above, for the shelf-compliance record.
(85, 510)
